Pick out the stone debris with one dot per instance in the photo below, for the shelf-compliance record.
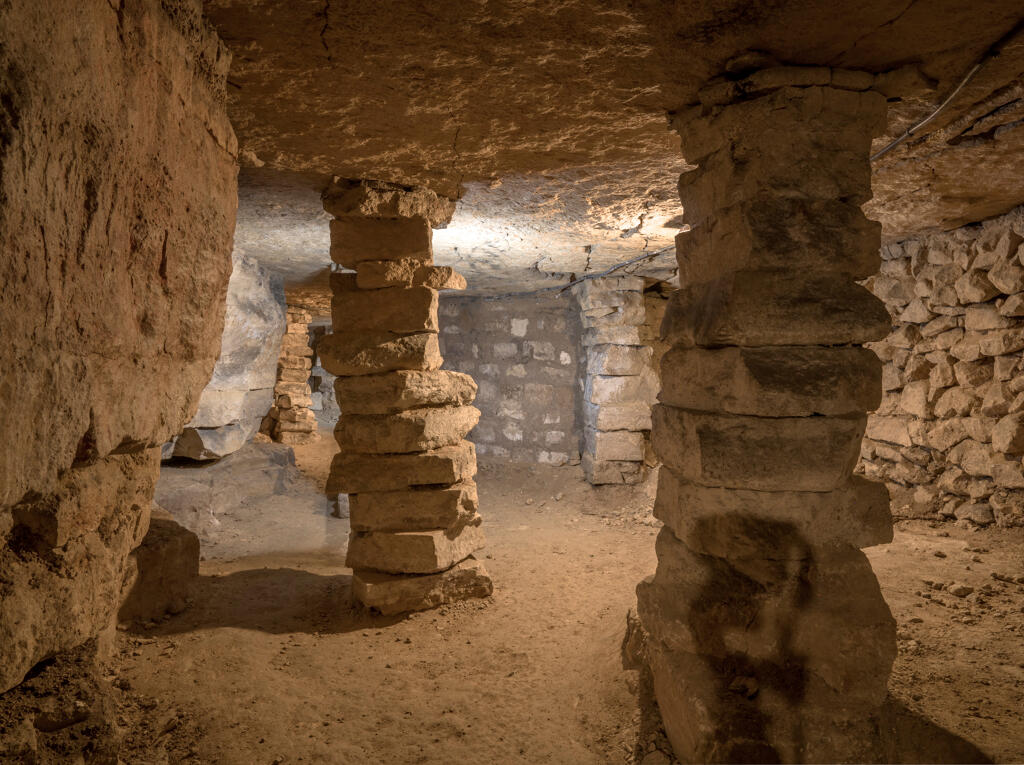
(764, 617)
(951, 413)
(292, 420)
(403, 460)
(619, 385)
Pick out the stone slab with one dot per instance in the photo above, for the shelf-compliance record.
(732, 522)
(611, 472)
(413, 509)
(391, 309)
(766, 454)
(772, 381)
(354, 240)
(355, 473)
(764, 308)
(414, 552)
(406, 272)
(414, 430)
(611, 335)
(617, 416)
(342, 353)
(390, 594)
(618, 359)
(614, 446)
(616, 389)
(403, 389)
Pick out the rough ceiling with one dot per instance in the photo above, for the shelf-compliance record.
(547, 117)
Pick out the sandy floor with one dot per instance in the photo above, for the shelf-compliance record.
(272, 665)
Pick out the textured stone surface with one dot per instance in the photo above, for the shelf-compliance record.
(355, 473)
(114, 271)
(392, 309)
(595, 141)
(391, 594)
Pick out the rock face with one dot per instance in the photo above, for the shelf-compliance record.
(619, 384)
(240, 392)
(948, 433)
(403, 421)
(769, 640)
(113, 274)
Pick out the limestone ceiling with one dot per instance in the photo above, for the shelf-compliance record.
(547, 117)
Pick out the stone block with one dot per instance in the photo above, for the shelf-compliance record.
(914, 399)
(768, 454)
(1013, 305)
(772, 231)
(374, 353)
(618, 359)
(413, 430)
(760, 308)
(403, 389)
(415, 509)
(1008, 434)
(615, 445)
(611, 336)
(406, 272)
(1007, 277)
(606, 290)
(944, 435)
(355, 473)
(974, 458)
(394, 594)
(629, 312)
(617, 416)
(984, 317)
(772, 381)
(390, 309)
(955, 402)
(975, 287)
(1002, 342)
(614, 472)
(736, 523)
(602, 389)
(893, 430)
(354, 240)
(414, 552)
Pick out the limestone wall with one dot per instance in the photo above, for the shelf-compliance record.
(522, 352)
(949, 435)
(117, 205)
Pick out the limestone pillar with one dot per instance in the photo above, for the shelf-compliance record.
(404, 461)
(769, 637)
(619, 384)
(291, 419)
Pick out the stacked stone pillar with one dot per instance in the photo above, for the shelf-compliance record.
(769, 637)
(291, 419)
(404, 459)
(619, 384)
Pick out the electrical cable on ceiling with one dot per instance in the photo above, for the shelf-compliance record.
(991, 53)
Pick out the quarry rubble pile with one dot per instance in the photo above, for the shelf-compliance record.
(949, 433)
(404, 459)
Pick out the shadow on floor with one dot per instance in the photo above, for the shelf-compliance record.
(276, 601)
(916, 739)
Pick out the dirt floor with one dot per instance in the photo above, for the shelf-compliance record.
(271, 664)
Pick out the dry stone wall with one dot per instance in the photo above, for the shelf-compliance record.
(949, 434)
(117, 205)
(523, 353)
(291, 420)
(619, 384)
